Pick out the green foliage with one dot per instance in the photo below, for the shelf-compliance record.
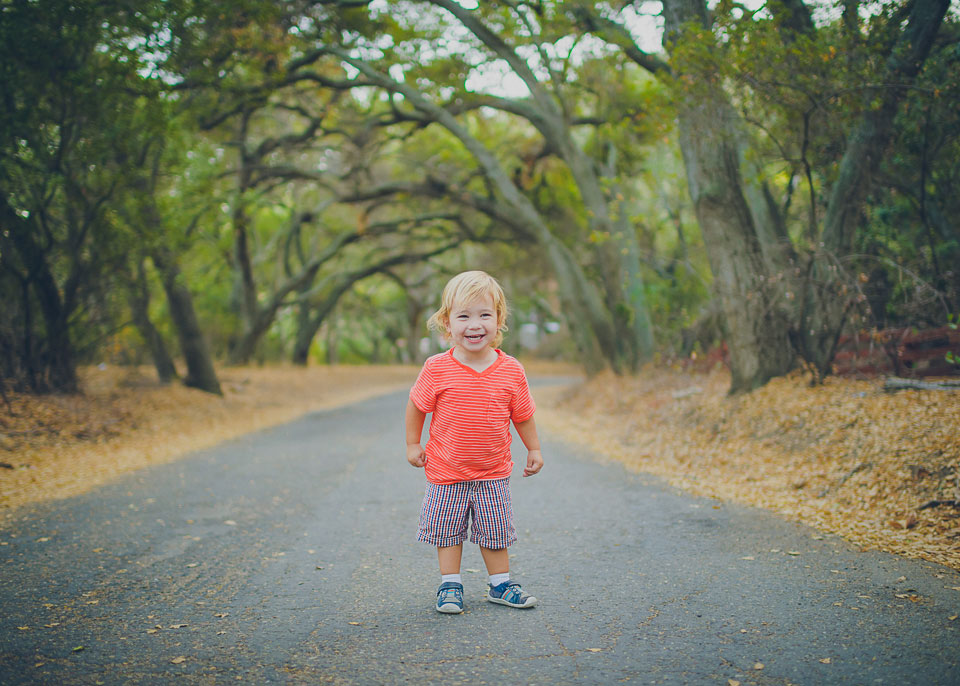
(77, 121)
(126, 130)
(953, 321)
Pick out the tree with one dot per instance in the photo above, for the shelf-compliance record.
(755, 264)
(68, 138)
(611, 314)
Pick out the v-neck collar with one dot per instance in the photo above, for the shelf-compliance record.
(493, 365)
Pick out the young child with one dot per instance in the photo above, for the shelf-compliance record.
(473, 390)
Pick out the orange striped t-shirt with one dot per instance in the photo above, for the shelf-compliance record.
(470, 428)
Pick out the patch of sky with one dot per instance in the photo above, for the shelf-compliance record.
(396, 72)
(826, 12)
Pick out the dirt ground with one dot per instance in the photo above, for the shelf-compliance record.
(844, 457)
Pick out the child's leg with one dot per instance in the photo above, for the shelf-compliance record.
(493, 528)
(450, 593)
(497, 560)
(449, 557)
(493, 531)
(502, 589)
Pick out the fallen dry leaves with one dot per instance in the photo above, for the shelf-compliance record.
(58, 446)
(844, 457)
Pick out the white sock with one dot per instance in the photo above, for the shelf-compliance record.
(497, 579)
(455, 578)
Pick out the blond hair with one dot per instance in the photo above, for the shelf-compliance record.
(466, 288)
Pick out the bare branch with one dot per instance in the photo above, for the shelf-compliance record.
(500, 49)
(615, 33)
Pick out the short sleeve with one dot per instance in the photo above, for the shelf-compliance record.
(424, 391)
(521, 406)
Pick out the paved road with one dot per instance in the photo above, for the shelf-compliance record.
(288, 556)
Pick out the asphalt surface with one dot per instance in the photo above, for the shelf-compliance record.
(289, 556)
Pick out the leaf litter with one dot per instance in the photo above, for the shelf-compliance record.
(881, 470)
(57, 446)
(844, 457)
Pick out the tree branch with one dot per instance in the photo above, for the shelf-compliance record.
(500, 49)
(617, 34)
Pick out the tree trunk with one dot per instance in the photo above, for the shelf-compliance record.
(828, 297)
(755, 330)
(622, 285)
(633, 310)
(583, 309)
(196, 353)
(304, 337)
(58, 366)
(333, 343)
(138, 297)
(755, 335)
(415, 312)
(631, 314)
(246, 343)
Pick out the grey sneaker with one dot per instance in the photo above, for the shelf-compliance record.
(450, 598)
(510, 593)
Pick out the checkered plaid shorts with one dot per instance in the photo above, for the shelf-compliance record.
(448, 507)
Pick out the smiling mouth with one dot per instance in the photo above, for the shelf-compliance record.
(475, 338)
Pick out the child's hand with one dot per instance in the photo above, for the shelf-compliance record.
(415, 455)
(534, 463)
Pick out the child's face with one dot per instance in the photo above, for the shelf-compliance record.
(473, 325)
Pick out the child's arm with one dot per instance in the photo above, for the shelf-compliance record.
(414, 425)
(528, 434)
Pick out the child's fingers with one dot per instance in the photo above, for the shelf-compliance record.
(534, 463)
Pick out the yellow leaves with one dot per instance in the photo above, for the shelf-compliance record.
(844, 457)
(758, 666)
(156, 628)
(825, 660)
(125, 421)
(906, 523)
(179, 660)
